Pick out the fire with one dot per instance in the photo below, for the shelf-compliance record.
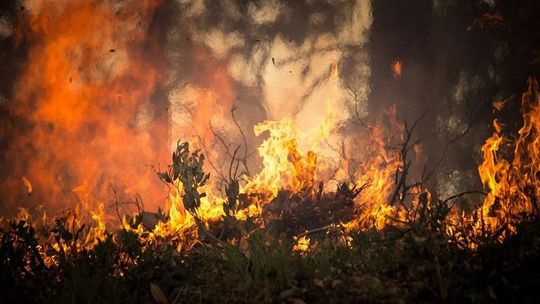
(180, 222)
(376, 175)
(97, 232)
(287, 167)
(284, 165)
(292, 159)
(511, 175)
(84, 97)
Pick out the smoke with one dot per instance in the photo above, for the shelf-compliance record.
(6, 27)
(267, 12)
(271, 61)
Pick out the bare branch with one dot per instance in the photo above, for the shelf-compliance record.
(244, 159)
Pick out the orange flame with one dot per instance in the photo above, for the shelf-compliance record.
(86, 92)
(397, 69)
(85, 95)
(511, 176)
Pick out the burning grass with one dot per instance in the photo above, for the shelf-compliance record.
(389, 266)
(294, 233)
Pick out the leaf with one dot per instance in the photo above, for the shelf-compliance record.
(158, 294)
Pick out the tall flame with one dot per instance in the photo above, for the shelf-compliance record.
(512, 176)
(85, 99)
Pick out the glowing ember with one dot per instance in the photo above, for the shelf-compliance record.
(397, 69)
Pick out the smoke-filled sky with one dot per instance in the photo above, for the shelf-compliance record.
(94, 94)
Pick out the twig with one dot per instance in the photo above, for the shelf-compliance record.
(244, 159)
(202, 227)
(401, 183)
(355, 98)
(460, 195)
(475, 119)
(316, 230)
(116, 206)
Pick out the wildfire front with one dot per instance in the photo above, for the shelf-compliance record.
(322, 151)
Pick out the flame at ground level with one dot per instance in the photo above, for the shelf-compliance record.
(375, 194)
(102, 85)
